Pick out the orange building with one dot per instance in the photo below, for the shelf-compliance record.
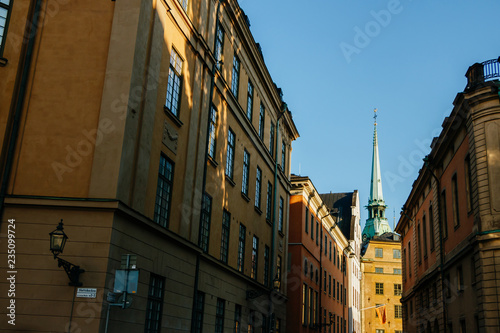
(450, 223)
(318, 275)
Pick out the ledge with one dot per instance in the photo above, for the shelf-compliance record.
(233, 184)
(257, 209)
(247, 199)
(3, 62)
(172, 116)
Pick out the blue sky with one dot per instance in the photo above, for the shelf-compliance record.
(337, 60)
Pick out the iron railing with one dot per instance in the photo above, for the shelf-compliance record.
(491, 69)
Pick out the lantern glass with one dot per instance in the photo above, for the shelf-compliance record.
(57, 240)
(276, 283)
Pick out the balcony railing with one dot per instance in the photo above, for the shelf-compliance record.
(481, 72)
(491, 69)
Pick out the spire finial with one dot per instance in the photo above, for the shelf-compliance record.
(375, 115)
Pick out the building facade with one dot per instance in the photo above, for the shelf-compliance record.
(318, 277)
(382, 284)
(151, 128)
(450, 222)
(347, 215)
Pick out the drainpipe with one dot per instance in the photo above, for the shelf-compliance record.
(441, 250)
(204, 184)
(12, 130)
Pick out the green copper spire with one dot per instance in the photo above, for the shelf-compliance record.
(376, 224)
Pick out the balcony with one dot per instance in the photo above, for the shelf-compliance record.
(482, 72)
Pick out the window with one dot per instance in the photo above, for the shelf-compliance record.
(172, 100)
(398, 291)
(312, 226)
(330, 250)
(324, 281)
(317, 233)
(409, 258)
(164, 191)
(246, 171)
(397, 271)
(456, 204)
(379, 331)
(419, 244)
(271, 140)
(184, 3)
(463, 327)
(235, 81)
(326, 242)
(278, 268)
(445, 214)
(424, 223)
(310, 307)
(266, 265)
(269, 201)
(304, 304)
(278, 326)
(241, 248)
(219, 315)
(398, 311)
(213, 128)
(379, 253)
(237, 318)
(258, 185)
(249, 100)
(396, 253)
(280, 216)
(307, 221)
(261, 121)
(251, 316)
(377, 306)
(283, 156)
(460, 279)
(468, 184)
(379, 270)
(431, 227)
(198, 312)
(329, 285)
(155, 304)
(338, 291)
(224, 246)
(205, 222)
(379, 288)
(230, 154)
(255, 257)
(219, 45)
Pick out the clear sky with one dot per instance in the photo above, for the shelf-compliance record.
(337, 60)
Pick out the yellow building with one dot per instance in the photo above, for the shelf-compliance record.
(382, 284)
(152, 128)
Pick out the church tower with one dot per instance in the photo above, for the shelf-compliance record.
(376, 224)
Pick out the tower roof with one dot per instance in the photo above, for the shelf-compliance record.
(376, 195)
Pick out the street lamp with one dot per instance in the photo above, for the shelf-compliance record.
(277, 283)
(57, 242)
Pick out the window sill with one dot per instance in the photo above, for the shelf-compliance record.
(247, 199)
(257, 209)
(172, 116)
(212, 161)
(233, 184)
(269, 222)
(456, 227)
(281, 233)
(3, 62)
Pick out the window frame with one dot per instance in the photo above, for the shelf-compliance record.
(379, 288)
(280, 215)
(155, 300)
(212, 138)
(174, 84)
(245, 178)
(250, 92)
(258, 187)
(255, 257)
(240, 265)
(219, 315)
(225, 233)
(262, 121)
(205, 221)
(161, 211)
(219, 45)
(379, 252)
(235, 76)
(230, 152)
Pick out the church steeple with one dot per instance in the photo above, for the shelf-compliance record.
(376, 224)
